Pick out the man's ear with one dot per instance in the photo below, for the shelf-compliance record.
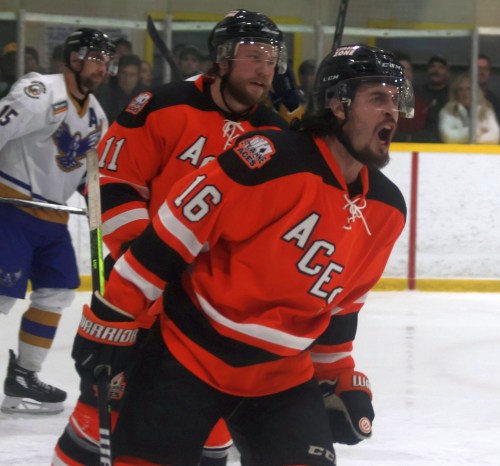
(76, 64)
(337, 108)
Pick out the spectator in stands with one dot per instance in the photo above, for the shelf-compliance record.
(455, 117)
(146, 74)
(32, 61)
(115, 95)
(57, 59)
(123, 47)
(189, 62)
(434, 93)
(8, 70)
(411, 129)
(483, 75)
(306, 73)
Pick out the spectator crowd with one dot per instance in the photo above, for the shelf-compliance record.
(443, 112)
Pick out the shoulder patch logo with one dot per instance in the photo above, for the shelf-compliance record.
(255, 151)
(138, 102)
(35, 89)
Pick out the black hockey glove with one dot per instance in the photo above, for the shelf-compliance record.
(106, 340)
(349, 406)
(285, 91)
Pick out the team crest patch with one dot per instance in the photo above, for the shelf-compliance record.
(255, 151)
(35, 89)
(138, 103)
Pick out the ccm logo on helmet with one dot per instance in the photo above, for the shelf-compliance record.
(105, 334)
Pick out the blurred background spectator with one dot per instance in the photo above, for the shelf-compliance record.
(146, 74)
(8, 71)
(483, 77)
(411, 129)
(32, 61)
(455, 116)
(434, 93)
(57, 59)
(305, 74)
(189, 60)
(115, 95)
(123, 47)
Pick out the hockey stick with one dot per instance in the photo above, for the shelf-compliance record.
(95, 221)
(162, 48)
(103, 371)
(339, 27)
(43, 205)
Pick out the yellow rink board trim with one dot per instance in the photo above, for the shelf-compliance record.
(447, 148)
(401, 284)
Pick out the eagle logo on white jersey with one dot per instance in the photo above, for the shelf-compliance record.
(72, 148)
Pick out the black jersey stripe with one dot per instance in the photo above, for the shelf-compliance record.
(196, 327)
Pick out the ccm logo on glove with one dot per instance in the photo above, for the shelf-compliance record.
(106, 332)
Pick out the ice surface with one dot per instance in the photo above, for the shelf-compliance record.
(433, 360)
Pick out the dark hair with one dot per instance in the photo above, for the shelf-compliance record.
(307, 67)
(32, 51)
(123, 41)
(189, 50)
(485, 57)
(130, 59)
(437, 59)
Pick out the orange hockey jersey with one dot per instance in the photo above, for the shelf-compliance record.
(267, 259)
(160, 137)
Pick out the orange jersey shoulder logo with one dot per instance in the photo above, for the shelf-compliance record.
(255, 151)
(138, 102)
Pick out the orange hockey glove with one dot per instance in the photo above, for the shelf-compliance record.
(348, 400)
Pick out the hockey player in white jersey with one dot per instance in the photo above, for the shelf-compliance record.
(48, 123)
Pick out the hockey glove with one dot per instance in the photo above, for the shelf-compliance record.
(285, 91)
(349, 407)
(106, 340)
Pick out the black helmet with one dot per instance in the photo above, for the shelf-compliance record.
(84, 40)
(341, 71)
(240, 26)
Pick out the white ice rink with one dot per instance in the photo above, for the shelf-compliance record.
(433, 360)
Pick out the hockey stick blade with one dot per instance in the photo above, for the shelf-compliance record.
(43, 205)
(339, 27)
(162, 48)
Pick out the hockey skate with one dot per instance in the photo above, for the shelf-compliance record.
(26, 394)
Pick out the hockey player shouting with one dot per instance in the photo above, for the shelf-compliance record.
(258, 264)
(159, 138)
(47, 125)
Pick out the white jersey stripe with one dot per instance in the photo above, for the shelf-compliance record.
(329, 358)
(179, 230)
(261, 332)
(149, 290)
(120, 220)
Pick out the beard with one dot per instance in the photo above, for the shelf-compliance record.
(238, 92)
(91, 82)
(365, 155)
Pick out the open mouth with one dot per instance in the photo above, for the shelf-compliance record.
(385, 134)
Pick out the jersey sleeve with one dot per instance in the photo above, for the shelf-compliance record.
(191, 219)
(130, 156)
(25, 109)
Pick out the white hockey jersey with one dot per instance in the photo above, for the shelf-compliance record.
(44, 138)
